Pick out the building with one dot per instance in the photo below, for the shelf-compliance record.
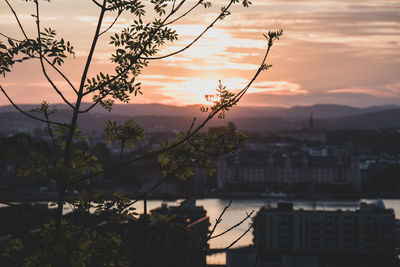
(166, 236)
(255, 170)
(287, 237)
(370, 229)
(188, 248)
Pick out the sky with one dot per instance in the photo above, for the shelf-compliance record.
(333, 51)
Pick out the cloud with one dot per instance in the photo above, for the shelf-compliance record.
(192, 90)
(332, 51)
(277, 88)
(387, 90)
(357, 90)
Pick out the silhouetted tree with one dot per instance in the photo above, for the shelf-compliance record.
(71, 164)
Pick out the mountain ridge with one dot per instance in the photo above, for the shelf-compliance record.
(92, 122)
(323, 111)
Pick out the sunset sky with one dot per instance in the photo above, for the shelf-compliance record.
(332, 51)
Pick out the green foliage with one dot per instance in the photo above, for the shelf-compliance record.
(101, 152)
(11, 252)
(77, 247)
(8, 249)
(116, 207)
(221, 102)
(50, 164)
(16, 52)
(127, 134)
(47, 45)
(198, 151)
(53, 48)
(132, 45)
(44, 109)
(271, 36)
(71, 164)
(62, 133)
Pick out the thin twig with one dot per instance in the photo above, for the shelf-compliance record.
(68, 143)
(194, 40)
(18, 21)
(173, 5)
(241, 236)
(195, 131)
(234, 226)
(53, 139)
(163, 180)
(11, 38)
(27, 39)
(191, 126)
(41, 58)
(184, 14)
(134, 60)
(97, 4)
(112, 24)
(217, 221)
(29, 115)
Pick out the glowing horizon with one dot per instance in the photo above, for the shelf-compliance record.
(332, 51)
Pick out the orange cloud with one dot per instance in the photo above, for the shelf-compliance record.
(277, 88)
(333, 48)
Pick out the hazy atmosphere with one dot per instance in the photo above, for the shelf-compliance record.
(343, 52)
(201, 133)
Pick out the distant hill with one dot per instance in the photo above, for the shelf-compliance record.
(373, 120)
(319, 111)
(378, 119)
(327, 111)
(162, 118)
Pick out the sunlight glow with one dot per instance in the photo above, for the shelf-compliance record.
(329, 47)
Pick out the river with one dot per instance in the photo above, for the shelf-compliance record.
(240, 207)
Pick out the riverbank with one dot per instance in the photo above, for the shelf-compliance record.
(27, 196)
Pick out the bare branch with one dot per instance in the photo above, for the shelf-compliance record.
(48, 61)
(61, 74)
(197, 148)
(173, 5)
(191, 126)
(112, 24)
(50, 130)
(217, 221)
(194, 40)
(29, 115)
(242, 235)
(92, 48)
(133, 61)
(235, 100)
(261, 68)
(26, 37)
(184, 14)
(97, 3)
(234, 226)
(92, 105)
(41, 58)
(8, 37)
(68, 149)
(165, 178)
(173, 10)
(18, 21)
